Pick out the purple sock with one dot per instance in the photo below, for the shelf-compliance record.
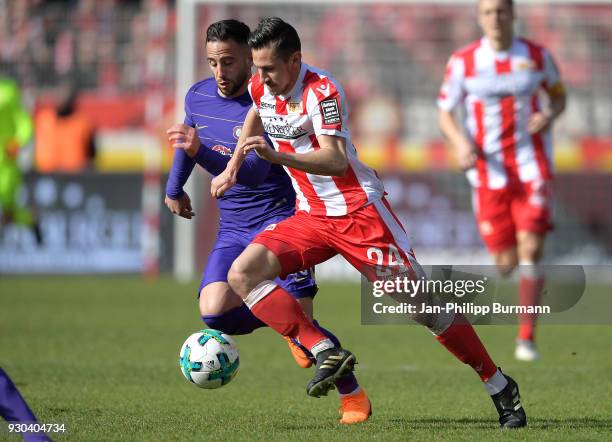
(347, 383)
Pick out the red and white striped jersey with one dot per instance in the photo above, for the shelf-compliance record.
(499, 92)
(316, 106)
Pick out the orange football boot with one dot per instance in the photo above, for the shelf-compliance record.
(355, 408)
(298, 354)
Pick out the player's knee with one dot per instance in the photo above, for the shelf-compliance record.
(530, 252)
(239, 279)
(217, 298)
(210, 306)
(506, 262)
(505, 270)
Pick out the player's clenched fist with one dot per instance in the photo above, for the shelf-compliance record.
(184, 137)
(261, 148)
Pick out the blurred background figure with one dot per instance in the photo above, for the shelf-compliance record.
(505, 147)
(65, 140)
(15, 131)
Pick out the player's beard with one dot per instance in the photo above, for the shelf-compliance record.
(233, 86)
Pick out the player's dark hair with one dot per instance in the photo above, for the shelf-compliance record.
(228, 30)
(274, 32)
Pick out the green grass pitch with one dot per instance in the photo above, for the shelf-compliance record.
(100, 354)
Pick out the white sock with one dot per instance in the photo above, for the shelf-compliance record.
(320, 346)
(496, 383)
(530, 270)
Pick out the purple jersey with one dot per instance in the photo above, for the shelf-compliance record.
(263, 190)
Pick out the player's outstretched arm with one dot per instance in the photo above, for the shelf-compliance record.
(329, 160)
(464, 149)
(252, 126)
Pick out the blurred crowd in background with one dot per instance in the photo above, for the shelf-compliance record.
(390, 58)
(101, 44)
(98, 78)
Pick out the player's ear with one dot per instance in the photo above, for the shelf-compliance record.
(296, 58)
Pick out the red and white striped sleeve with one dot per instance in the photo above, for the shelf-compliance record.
(452, 89)
(326, 107)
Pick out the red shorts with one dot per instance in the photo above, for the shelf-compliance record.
(370, 238)
(501, 213)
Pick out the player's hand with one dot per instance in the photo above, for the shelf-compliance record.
(538, 122)
(222, 183)
(466, 155)
(184, 137)
(261, 148)
(181, 206)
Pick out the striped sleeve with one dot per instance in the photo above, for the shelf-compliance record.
(326, 106)
(452, 91)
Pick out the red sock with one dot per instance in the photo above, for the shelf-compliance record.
(530, 291)
(281, 312)
(461, 339)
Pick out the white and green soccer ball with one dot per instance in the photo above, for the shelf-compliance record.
(209, 359)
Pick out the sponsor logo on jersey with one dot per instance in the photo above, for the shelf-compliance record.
(270, 227)
(222, 150)
(323, 88)
(264, 105)
(294, 108)
(200, 126)
(330, 111)
(497, 86)
(236, 131)
(284, 131)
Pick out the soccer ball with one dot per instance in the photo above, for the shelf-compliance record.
(209, 359)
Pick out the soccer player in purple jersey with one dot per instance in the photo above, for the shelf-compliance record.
(215, 109)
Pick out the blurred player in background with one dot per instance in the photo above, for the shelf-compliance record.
(15, 131)
(215, 109)
(341, 209)
(506, 147)
(65, 136)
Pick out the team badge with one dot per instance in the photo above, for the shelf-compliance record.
(236, 131)
(294, 108)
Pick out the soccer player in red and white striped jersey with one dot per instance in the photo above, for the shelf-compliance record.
(506, 147)
(341, 209)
